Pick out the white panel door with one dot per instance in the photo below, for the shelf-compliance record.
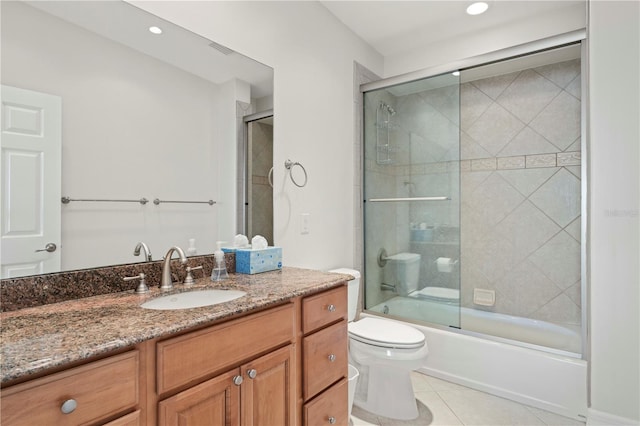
(31, 133)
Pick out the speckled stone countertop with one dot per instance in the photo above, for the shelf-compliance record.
(44, 337)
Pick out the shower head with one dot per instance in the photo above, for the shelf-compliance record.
(389, 108)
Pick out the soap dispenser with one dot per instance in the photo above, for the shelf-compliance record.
(192, 250)
(219, 271)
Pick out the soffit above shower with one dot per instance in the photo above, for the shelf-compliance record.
(396, 27)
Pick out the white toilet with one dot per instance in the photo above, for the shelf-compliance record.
(385, 352)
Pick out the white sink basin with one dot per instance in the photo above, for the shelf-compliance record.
(192, 299)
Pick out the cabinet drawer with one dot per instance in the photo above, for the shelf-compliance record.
(100, 389)
(324, 308)
(188, 358)
(331, 404)
(324, 358)
(132, 419)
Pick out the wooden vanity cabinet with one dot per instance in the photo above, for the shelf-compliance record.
(280, 366)
(260, 391)
(89, 394)
(325, 358)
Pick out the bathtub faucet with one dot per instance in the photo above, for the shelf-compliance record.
(385, 286)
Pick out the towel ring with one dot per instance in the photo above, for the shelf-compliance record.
(270, 177)
(289, 166)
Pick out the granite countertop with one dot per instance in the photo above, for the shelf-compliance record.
(44, 337)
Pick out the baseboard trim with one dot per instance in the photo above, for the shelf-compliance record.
(601, 418)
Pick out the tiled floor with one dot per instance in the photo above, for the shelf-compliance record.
(445, 403)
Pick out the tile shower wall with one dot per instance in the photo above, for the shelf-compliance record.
(261, 192)
(520, 174)
(518, 166)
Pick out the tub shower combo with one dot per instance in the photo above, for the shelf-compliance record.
(473, 220)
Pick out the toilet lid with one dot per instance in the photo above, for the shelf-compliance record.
(385, 333)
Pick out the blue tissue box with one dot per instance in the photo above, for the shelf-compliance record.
(256, 261)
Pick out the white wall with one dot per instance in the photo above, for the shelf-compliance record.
(312, 54)
(614, 57)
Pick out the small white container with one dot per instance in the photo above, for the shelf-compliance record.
(353, 382)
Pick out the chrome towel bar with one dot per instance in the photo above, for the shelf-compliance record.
(143, 201)
(67, 200)
(158, 201)
(387, 200)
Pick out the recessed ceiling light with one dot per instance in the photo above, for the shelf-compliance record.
(477, 8)
(155, 30)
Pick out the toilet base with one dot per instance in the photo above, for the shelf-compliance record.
(388, 393)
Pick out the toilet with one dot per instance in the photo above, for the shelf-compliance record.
(401, 272)
(384, 352)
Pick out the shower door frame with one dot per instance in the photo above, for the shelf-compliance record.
(548, 43)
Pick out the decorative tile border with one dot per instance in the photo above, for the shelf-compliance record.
(560, 159)
(483, 164)
(506, 163)
(569, 158)
(540, 160)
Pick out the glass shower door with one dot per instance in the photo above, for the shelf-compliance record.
(412, 200)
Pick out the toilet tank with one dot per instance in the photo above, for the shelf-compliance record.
(353, 291)
(402, 271)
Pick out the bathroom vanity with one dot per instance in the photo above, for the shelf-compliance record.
(275, 356)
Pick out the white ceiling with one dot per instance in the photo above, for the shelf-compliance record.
(394, 27)
(128, 25)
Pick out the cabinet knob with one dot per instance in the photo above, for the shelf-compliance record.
(252, 373)
(331, 308)
(237, 380)
(332, 357)
(332, 420)
(69, 406)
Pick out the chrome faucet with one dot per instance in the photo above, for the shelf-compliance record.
(167, 282)
(147, 252)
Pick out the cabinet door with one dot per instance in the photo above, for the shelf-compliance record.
(267, 389)
(214, 402)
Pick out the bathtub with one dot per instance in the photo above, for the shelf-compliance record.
(555, 380)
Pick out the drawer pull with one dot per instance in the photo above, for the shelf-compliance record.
(252, 373)
(69, 406)
(332, 358)
(332, 420)
(237, 380)
(331, 308)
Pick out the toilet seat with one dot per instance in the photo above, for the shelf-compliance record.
(385, 333)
